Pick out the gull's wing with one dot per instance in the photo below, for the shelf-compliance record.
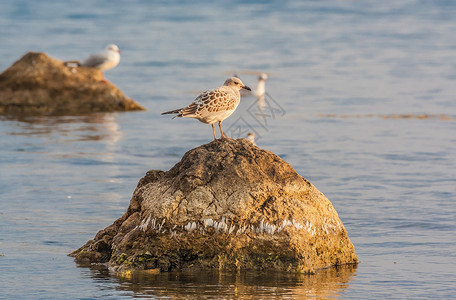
(94, 60)
(217, 100)
(207, 102)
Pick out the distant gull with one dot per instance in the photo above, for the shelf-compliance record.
(260, 89)
(105, 60)
(251, 137)
(261, 86)
(214, 105)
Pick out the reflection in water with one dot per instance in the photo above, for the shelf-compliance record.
(98, 126)
(261, 103)
(241, 285)
(67, 131)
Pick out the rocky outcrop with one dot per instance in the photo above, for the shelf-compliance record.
(38, 84)
(227, 205)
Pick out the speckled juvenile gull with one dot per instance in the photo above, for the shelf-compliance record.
(214, 105)
(105, 60)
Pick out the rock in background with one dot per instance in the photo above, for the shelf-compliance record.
(38, 84)
(225, 205)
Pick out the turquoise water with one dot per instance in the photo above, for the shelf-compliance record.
(343, 75)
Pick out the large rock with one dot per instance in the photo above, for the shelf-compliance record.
(228, 205)
(39, 84)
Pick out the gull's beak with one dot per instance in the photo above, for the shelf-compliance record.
(246, 88)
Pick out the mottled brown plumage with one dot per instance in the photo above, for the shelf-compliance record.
(214, 105)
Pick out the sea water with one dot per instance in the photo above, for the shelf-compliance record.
(361, 102)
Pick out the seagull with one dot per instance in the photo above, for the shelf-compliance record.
(215, 105)
(105, 60)
(260, 89)
(251, 137)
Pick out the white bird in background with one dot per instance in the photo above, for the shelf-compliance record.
(259, 92)
(214, 105)
(251, 137)
(260, 89)
(105, 60)
(261, 86)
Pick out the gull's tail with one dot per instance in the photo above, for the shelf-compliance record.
(176, 111)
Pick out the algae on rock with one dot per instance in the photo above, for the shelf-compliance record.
(226, 205)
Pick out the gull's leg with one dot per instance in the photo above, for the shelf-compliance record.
(221, 131)
(213, 130)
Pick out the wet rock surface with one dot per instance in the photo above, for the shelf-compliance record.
(37, 84)
(226, 205)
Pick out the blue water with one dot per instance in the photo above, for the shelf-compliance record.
(342, 75)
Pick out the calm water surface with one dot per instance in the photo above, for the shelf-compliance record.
(342, 76)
